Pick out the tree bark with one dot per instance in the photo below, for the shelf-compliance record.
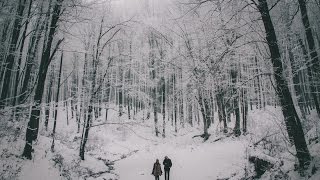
(221, 110)
(32, 52)
(204, 111)
(244, 110)
(33, 124)
(291, 117)
(315, 63)
(49, 98)
(56, 104)
(17, 79)
(258, 86)
(236, 109)
(9, 63)
(163, 90)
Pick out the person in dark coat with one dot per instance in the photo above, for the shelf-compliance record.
(167, 165)
(156, 171)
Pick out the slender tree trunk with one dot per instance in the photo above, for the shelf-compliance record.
(204, 111)
(315, 63)
(93, 94)
(244, 110)
(67, 110)
(303, 78)
(296, 92)
(9, 63)
(4, 41)
(190, 113)
(175, 116)
(57, 105)
(152, 43)
(17, 80)
(221, 111)
(291, 117)
(258, 86)
(108, 98)
(86, 128)
(212, 110)
(48, 98)
(163, 88)
(155, 111)
(32, 52)
(174, 99)
(236, 130)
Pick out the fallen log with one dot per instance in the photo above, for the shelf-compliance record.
(204, 136)
(262, 162)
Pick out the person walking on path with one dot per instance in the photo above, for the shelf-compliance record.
(167, 165)
(156, 171)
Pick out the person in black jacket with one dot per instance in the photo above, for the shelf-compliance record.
(167, 165)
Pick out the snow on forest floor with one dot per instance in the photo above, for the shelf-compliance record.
(126, 150)
(192, 161)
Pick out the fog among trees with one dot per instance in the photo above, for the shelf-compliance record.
(112, 82)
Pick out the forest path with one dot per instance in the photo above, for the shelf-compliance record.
(200, 161)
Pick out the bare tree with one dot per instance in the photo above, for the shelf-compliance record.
(47, 56)
(291, 118)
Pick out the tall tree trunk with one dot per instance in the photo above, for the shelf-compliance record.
(85, 132)
(108, 98)
(155, 115)
(128, 105)
(4, 41)
(244, 110)
(236, 109)
(315, 63)
(303, 78)
(291, 118)
(33, 124)
(9, 62)
(190, 112)
(152, 43)
(121, 93)
(212, 109)
(17, 79)
(204, 112)
(57, 105)
(163, 89)
(296, 92)
(32, 52)
(93, 94)
(49, 98)
(175, 115)
(221, 110)
(174, 99)
(258, 85)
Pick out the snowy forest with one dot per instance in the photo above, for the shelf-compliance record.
(100, 89)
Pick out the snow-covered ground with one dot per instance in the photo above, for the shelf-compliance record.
(204, 161)
(126, 149)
